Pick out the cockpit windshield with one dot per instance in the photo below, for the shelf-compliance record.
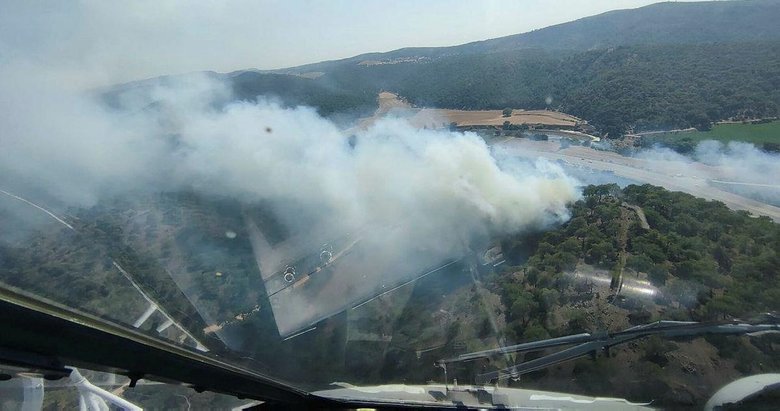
(264, 185)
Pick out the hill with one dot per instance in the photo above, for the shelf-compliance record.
(691, 260)
(664, 66)
(641, 87)
(660, 23)
(688, 259)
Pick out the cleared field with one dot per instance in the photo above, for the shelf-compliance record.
(388, 101)
(441, 118)
(751, 133)
(435, 117)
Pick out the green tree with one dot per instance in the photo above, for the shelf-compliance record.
(523, 306)
(639, 263)
(535, 332)
(658, 275)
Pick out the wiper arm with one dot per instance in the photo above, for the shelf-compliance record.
(589, 344)
(529, 346)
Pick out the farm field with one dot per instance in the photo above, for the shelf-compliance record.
(434, 117)
(439, 118)
(750, 133)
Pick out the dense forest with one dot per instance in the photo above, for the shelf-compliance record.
(698, 259)
(617, 89)
(715, 262)
(665, 66)
(703, 262)
(329, 99)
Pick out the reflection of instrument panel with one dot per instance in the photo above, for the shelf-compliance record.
(297, 273)
(289, 274)
(326, 254)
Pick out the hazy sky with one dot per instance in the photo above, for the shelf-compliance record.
(99, 42)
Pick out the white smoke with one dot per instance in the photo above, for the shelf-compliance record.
(416, 197)
(738, 161)
(735, 166)
(443, 184)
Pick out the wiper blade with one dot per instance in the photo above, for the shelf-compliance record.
(589, 344)
(524, 347)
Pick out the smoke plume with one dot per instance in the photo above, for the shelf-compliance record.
(735, 166)
(176, 136)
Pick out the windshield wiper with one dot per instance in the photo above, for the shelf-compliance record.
(591, 344)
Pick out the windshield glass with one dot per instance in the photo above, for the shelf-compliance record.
(218, 176)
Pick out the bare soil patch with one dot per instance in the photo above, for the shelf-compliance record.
(434, 118)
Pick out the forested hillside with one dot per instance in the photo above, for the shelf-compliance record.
(328, 98)
(664, 66)
(655, 24)
(616, 89)
(694, 259)
(646, 87)
(711, 262)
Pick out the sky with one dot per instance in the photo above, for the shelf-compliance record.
(94, 43)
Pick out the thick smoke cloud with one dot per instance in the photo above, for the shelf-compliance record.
(741, 162)
(179, 135)
(737, 167)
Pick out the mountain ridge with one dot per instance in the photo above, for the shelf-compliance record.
(658, 23)
(663, 66)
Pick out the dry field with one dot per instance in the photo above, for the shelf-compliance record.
(439, 118)
(435, 117)
(388, 101)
